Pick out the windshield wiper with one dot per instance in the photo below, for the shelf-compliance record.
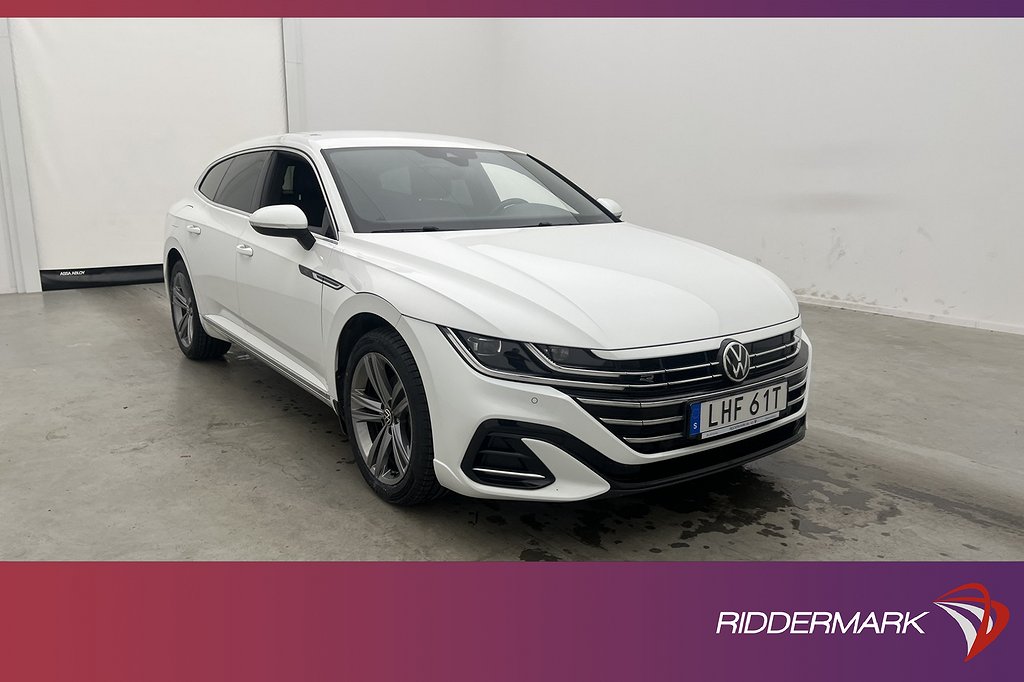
(424, 228)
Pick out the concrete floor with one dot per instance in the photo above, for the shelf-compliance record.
(114, 446)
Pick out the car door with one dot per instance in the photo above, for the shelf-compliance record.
(212, 229)
(278, 298)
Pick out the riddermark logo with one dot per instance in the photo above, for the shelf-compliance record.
(992, 615)
(962, 603)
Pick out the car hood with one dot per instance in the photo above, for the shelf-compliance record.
(607, 286)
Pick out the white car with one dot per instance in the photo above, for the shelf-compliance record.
(481, 324)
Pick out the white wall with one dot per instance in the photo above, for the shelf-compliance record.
(19, 266)
(425, 75)
(121, 115)
(871, 163)
(7, 282)
(875, 163)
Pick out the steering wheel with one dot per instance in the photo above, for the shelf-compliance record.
(508, 202)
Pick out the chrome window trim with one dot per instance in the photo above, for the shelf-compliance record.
(270, 148)
(226, 157)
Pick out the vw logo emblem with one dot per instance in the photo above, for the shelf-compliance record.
(735, 360)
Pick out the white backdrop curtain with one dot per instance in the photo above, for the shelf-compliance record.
(120, 116)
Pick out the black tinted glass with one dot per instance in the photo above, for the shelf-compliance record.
(238, 189)
(211, 182)
(291, 180)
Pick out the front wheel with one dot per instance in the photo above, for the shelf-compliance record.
(193, 340)
(388, 421)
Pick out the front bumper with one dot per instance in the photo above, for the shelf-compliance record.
(563, 452)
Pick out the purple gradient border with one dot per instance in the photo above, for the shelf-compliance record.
(520, 8)
(483, 621)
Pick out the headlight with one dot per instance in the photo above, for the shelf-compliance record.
(484, 346)
(573, 357)
(497, 354)
(540, 360)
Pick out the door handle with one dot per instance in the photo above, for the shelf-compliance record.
(244, 249)
(194, 229)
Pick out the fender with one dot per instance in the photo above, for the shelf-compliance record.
(372, 284)
(337, 309)
(172, 244)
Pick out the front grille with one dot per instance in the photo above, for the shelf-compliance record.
(653, 419)
(696, 371)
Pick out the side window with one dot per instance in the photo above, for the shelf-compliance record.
(208, 187)
(238, 188)
(291, 180)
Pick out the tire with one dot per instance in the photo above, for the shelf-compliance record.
(381, 430)
(192, 339)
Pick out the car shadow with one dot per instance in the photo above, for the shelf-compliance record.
(692, 520)
(632, 526)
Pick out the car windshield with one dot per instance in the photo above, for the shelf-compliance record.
(400, 189)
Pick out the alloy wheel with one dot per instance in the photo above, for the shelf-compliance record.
(181, 309)
(381, 420)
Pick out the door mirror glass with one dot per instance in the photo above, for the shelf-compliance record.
(283, 220)
(612, 206)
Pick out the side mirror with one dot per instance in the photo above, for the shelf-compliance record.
(612, 206)
(283, 221)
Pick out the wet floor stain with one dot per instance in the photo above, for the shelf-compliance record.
(975, 512)
(533, 554)
(786, 500)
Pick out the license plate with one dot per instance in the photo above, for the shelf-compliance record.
(734, 412)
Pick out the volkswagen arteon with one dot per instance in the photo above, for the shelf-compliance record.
(480, 323)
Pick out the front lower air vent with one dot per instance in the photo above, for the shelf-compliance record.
(504, 460)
